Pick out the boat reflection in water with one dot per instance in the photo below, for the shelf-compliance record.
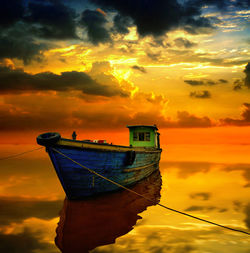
(87, 224)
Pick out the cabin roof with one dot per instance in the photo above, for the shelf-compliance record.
(149, 126)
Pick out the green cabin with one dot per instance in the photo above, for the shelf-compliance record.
(144, 136)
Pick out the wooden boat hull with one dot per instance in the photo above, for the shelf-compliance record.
(115, 164)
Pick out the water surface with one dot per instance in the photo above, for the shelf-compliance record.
(32, 203)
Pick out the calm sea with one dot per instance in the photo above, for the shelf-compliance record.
(35, 217)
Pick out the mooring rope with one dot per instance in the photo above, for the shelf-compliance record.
(152, 201)
(12, 156)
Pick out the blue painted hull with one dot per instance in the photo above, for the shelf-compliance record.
(79, 182)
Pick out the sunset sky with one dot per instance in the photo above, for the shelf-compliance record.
(96, 66)
(100, 65)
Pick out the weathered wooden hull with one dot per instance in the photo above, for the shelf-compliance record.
(109, 161)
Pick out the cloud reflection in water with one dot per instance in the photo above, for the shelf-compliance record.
(31, 198)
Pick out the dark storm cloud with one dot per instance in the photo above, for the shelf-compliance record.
(20, 81)
(247, 72)
(48, 19)
(198, 26)
(95, 22)
(243, 3)
(139, 68)
(15, 210)
(23, 23)
(122, 23)
(158, 17)
(11, 11)
(182, 42)
(18, 42)
(245, 121)
(52, 19)
(200, 94)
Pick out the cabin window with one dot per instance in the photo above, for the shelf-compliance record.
(141, 136)
(147, 136)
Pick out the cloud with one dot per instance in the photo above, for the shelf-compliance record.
(186, 119)
(223, 81)
(154, 56)
(52, 19)
(195, 208)
(23, 24)
(35, 112)
(242, 3)
(10, 12)
(84, 102)
(139, 68)
(237, 205)
(245, 121)
(194, 82)
(201, 195)
(222, 5)
(100, 67)
(200, 208)
(245, 169)
(24, 242)
(19, 81)
(238, 84)
(207, 82)
(95, 22)
(188, 169)
(247, 212)
(158, 17)
(18, 42)
(247, 78)
(199, 25)
(38, 111)
(122, 23)
(204, 57)
(182, 42)
(15, 210)
(200, 94)
(120, 118)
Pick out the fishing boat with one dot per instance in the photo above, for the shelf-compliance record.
(83, 166)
